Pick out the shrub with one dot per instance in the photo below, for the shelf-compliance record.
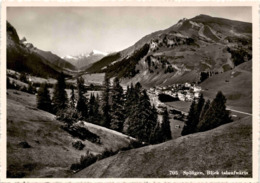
(68, 115)
(23, 77)
(84, 162)
(78, 145)
(107, 153)
(81, 133)
(24, 145)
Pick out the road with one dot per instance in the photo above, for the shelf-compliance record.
(241, 112)
(233, 110)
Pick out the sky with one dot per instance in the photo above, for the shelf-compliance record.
(77, 30)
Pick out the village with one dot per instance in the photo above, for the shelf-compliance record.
(184, 92)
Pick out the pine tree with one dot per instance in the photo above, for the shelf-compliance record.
(198, 110)
(60, 99)
(70, 114)
(43, 98)
(187, 129)
(106, 106)
(130, 99)
(194, 116)
(165, 127)
(91, 105)
(216, 115)
(97, 115)
(82, 106)
(141, 121)
(92, 111)
(156, 135)
(117, 112)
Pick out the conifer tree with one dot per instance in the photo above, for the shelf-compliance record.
(60, 99)
(198, 110)
(156, 135)
(216, 115)
(91, 105)
(93, 109)
(165, 127)
(43, 98)
(82, 106)
(187, 129)
(97, 115)
(106, 108)
(117, 112)
(141, 121)
(130, 99)
(194, 116)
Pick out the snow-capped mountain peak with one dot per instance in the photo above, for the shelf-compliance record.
(69, 57)
(85, 59)
(97, 52)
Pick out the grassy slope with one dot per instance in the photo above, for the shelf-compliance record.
(97, 66)
(237, 87)
(228, 147)
(51, 153)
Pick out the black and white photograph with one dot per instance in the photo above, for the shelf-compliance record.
(129, 92)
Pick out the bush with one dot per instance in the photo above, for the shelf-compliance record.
(89, 159)
(68, 115)
(107, 153)
(24, 145)
(84, 162)
(23, 77)
(78, 145)
(81, 133)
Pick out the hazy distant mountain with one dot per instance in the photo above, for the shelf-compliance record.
(24, 57)
(84, 61)
(182, 52)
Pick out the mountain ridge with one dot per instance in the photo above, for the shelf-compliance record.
(24, 57)
(209, 40)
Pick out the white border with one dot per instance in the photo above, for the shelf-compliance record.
(142, 3)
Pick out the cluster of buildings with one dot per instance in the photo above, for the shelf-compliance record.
(184, 92)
